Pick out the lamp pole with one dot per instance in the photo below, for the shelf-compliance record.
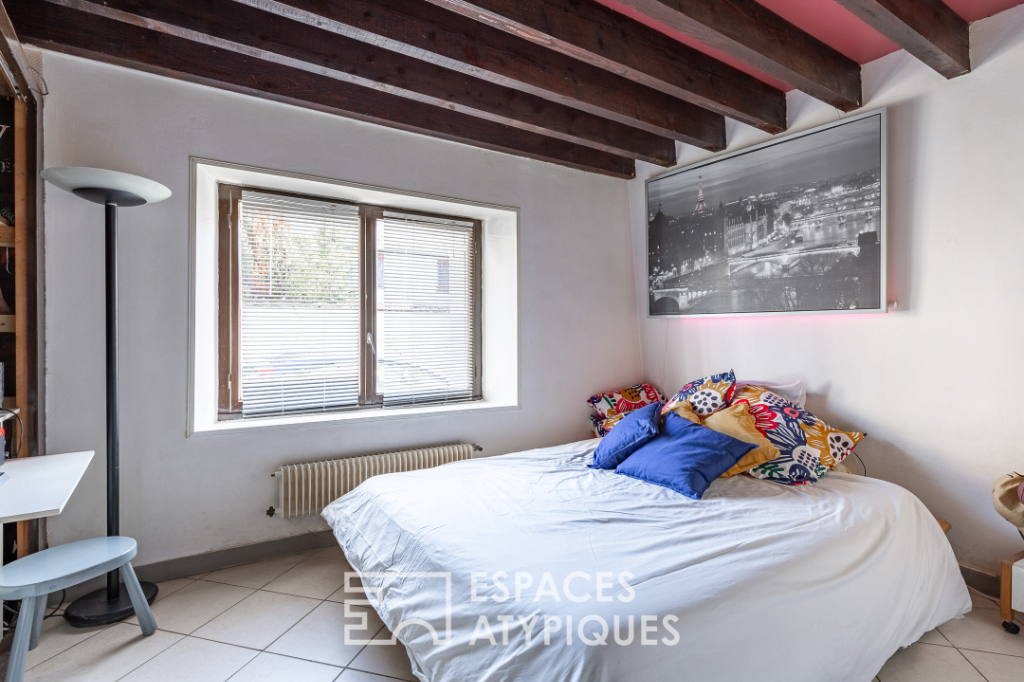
(111, 189)
(113, 445)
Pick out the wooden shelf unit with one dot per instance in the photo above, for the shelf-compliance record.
(17, 82)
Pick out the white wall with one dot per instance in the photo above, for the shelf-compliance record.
(934, 384)
(183, 496)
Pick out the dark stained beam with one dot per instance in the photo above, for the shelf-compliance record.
(762, 39)
(434, 34)
(228, 25)
(927, 29)
(590, 32)
(13, 63)
(59, 28)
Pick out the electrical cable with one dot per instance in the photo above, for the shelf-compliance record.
(4, 416)
(8, 627)
(862, 464)
(63, 596)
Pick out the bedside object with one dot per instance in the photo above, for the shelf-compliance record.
(1011, 591)
(1008, 500)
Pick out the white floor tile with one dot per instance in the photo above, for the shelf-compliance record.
(57, 636)
(982, 630)
(257, 574)
(193, 660)
(997, 667)
(321, 636)
(353, 591)
(317, 577)
(273, 668)
(389, 659)
(104, 657)
(927, 663)
(351, 675)
(934, 637)
(195, 605)
(257, 620)
(169, 587)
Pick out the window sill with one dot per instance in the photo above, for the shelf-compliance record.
(348, 416)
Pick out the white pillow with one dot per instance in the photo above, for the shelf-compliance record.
(795, 392)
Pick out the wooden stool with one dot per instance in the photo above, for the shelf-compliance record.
(33, 578)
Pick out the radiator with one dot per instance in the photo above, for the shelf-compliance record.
(305, 489)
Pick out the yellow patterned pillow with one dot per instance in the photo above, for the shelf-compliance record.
(707, 395)
(808, 447)
(737, 422)
(685, 410)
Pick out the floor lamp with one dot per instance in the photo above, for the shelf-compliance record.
(112, 189)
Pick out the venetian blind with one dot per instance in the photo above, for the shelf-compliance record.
(425, 308)
(299, 289)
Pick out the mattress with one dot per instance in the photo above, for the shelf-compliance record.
(531, 566)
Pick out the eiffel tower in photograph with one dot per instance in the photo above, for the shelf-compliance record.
(702, 208)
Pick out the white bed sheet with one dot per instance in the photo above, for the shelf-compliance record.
(813, 583)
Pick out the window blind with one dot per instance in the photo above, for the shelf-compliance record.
(299, 304)
(425, 309)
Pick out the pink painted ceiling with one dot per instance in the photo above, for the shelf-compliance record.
(827, 21)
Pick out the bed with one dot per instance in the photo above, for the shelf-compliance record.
(757, 580)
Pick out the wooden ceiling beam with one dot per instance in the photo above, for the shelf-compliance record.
(753, 34)
(62, 29)
(927, 29)
(447, 39)
(590, 32)
(228, 25)
(13, 65)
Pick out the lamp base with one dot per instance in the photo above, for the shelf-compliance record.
(95, 609)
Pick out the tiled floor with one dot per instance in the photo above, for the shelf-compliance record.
(282, 620)
(279, 620)
(974, 648)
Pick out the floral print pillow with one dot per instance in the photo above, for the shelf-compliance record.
(622, 402)
(808, 447)
(706, 396)
(603, 426)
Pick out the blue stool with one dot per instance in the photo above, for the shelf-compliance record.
(33, 578)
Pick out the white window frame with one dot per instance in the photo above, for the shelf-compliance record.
(499, 291)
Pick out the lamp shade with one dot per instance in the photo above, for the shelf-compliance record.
(106, 186)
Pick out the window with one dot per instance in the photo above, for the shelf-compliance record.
(327, 305)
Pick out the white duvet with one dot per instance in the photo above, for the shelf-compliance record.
(757, 581)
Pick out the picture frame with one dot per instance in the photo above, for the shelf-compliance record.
(792, 226)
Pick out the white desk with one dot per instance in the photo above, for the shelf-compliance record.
(40, 486)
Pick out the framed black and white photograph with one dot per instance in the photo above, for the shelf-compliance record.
(794, 225)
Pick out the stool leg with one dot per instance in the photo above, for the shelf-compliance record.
(19, 647)
(37, 622)
(142, 610)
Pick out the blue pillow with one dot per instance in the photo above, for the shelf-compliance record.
(686, 457)
(632, 432)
